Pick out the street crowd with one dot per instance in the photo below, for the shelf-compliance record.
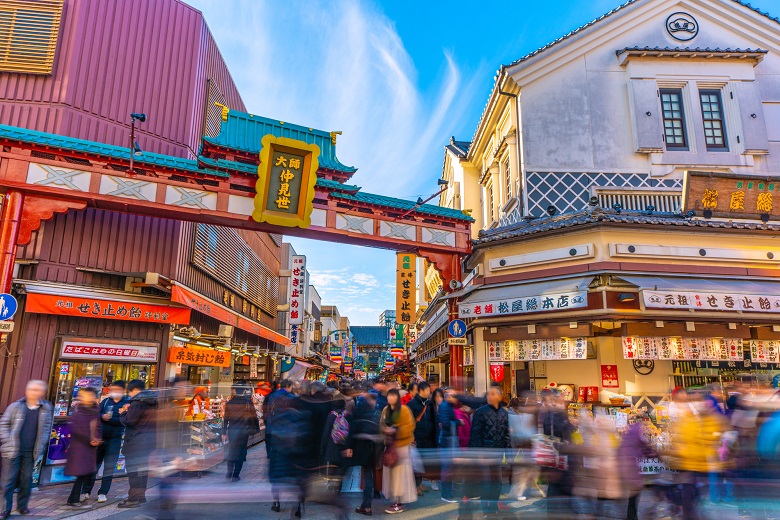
(410, 440)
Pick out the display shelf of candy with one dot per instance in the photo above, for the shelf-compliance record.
(203, 437)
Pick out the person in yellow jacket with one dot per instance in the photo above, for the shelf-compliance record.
(697, 436)
(397, 425)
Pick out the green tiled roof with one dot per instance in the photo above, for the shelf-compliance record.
(244, 132)
(250, 169)
(404, 205)
(336, 185)
(105, 150)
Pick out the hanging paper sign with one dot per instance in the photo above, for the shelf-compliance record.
(609, 376)
(497, 372)
(682, 349)
(710, 301)
(764, 351)
(579, 348)
(298, 290)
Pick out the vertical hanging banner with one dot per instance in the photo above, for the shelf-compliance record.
(298, 290)
(406, 288)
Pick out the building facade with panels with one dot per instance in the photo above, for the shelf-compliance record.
(150, 283)
(616, 175)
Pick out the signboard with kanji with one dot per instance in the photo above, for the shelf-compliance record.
(731, 196)
(710, 301)
(524, 305)
(118, 353)
(285, 184)
(198, 356)
(298, 290)
(682, 349)
(106, 309)
(406, 288)
(538, 349)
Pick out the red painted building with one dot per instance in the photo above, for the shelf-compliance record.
(104, 59)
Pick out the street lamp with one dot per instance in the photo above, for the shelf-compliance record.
(134, 148)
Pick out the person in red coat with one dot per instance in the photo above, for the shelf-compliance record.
(85, 438)
(410, 394)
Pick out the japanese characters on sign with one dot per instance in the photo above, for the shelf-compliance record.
(609, 376)
(538, 349)
(108, 352)
(406, 288)
(335, 353)
(285, 185)
(298, 290)
(540, 303)
(294, 334)
(729, 195)
(106, 309)
(710, 301)
(198, 356)
(764, 351)
(682, 349)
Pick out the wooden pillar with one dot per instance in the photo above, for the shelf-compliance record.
(10, 222)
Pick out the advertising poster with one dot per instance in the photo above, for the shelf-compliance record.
(609, 376)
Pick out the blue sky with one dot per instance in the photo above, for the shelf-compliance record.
(398, 78)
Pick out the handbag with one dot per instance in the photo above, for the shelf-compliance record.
(545, 450)
(390, 455)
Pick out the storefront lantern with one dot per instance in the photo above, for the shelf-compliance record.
(497, 372)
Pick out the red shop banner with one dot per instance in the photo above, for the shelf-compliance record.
(106, 309)
(497, 372)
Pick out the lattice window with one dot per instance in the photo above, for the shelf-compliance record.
(569, 192)
(674, 118)
(507, 180)
(28, 35)
(712, 117)
(213, 112)
(222, 254)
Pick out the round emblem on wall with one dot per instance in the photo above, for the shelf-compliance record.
(644, 366)
(682, 26)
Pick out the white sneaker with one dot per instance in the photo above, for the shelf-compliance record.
(84, 497)
(434, 485)
(102, 498)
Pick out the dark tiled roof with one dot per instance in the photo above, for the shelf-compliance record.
(459, 148)
(403, 205)
(336, 185)
(690, 50)
(370, 335)
(599, 215)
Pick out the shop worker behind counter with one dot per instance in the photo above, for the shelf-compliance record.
(139, 418)
(25, 428)
(113, 430)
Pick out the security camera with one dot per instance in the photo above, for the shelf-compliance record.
(139, 117)
(455, 285)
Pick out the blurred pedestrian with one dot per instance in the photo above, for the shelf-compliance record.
(139, 419)
(411, 393)
(463, 415)
(398, 424)
(317, 404)
(283, 392)
(490, 430)
(85, 437)
(425, 425)
(25, 430)
(239, 423)
(112, 432)
(291, 449)
(523, 421)
(364, 441)
(447, 424)
(633, 447)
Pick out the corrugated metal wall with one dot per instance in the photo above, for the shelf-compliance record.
(121, 56)
(104, 240)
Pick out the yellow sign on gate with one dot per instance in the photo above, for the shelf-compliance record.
(285, 182)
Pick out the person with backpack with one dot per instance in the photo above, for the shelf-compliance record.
(425, 430)
(239, 423)
(335, 436)
(364, 444)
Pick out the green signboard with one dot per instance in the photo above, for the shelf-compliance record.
(284, 184)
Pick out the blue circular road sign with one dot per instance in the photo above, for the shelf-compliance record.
(457, 328)
(8, 306)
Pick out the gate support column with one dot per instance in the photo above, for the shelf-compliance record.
(10, 222)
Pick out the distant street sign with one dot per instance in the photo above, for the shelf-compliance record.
(457, 341)
(6, 326)
(8, 306)
(457, 329)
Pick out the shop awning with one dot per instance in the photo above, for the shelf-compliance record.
(207, 306)
(85, 302)
(706, 294)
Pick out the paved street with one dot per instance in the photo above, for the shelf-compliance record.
(212, 497)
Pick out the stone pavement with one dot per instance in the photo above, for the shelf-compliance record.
(211, 496)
